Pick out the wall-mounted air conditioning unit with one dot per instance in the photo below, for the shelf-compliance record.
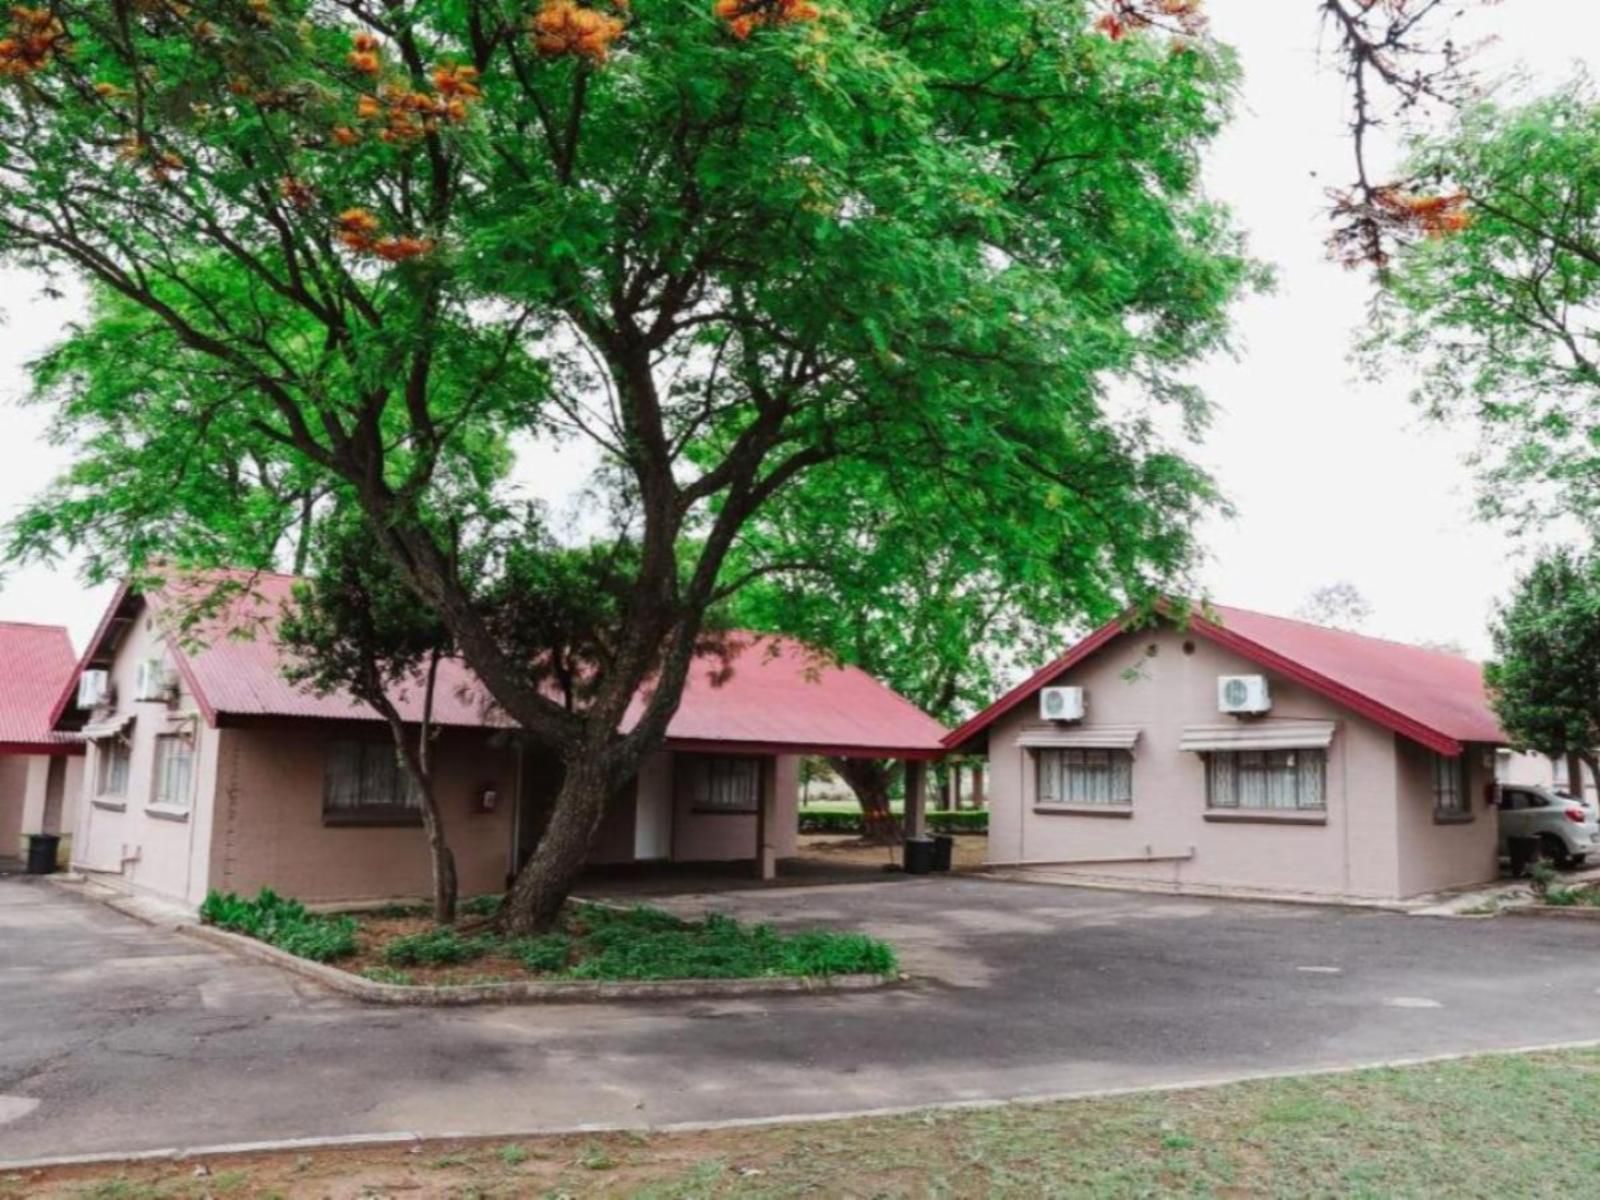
(1243, 695)
(94, 689)
(1061, 703)
(155, 681)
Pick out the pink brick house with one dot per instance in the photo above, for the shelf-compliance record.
(207, 769)
(40, 771)
(1350, 767)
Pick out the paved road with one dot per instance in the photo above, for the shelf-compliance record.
(116, 1036)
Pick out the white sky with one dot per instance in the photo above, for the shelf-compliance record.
(1333, 478)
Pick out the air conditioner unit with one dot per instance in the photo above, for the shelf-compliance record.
(1061, 704)
(94, 689)
(1243, 694)
(155, 681)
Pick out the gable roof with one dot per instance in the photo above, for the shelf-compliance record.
(1433, 698)
(36, 662)
(760, 694)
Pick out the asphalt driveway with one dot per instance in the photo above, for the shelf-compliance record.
(118, 1037)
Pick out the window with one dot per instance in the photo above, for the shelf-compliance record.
(1267, 780)
(174, 771)
(112, 760)
(365, 781)
(1085, 777)
(1450, 800)
(720, 785)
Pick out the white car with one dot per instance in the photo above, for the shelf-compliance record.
(1567, 829)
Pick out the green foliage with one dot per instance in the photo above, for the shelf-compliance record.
(1499, 316)
(826, 821)
(647, 944)
(440, 947)
(1542, 878)
(547, 954)
(482, 906)
(389, 975)
(1544, 682)
(282, 923)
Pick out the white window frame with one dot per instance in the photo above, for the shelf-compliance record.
(1300, 775)
(1083, 777)
(165, 791)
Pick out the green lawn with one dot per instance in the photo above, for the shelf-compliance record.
(845, 806)
(1502, 1126)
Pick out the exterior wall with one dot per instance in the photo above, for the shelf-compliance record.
(1436, 856)
(163, 851)
(269, 829)
(13, 793)
(1162, 682)
(724, 837)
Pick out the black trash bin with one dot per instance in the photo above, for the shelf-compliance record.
(943, 845)
(42, 848)
(1523, 853)
(919, 856)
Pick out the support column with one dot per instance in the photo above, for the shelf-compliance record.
(977, 785)
(35, 792)
(767, 821)
(916, 814)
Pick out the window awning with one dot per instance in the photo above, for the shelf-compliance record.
(1082, 737)
(106, 729)
(1261, 735)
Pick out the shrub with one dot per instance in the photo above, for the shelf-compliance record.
(434, 948)
(283, 923)
(956, 821)
(481, 906)
(1541, 877)
(544, 955)
(388, 975)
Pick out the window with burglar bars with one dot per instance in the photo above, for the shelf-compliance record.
(1085, 777)
(1267, 780)
(365, 779)
(1450, 787)
(717, 784)
(174, 771)
(112, 760)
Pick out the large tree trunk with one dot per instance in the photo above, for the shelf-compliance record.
(541, 888)
(869, 779)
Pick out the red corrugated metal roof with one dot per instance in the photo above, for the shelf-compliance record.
(36, 662)
(1433, 698)
(769, 693)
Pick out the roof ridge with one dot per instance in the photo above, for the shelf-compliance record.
(1368, 637)
(9, 624)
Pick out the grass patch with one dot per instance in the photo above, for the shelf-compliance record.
(1488, 1127)
(395, 945)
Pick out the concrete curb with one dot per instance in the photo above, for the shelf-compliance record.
(530, 991)
(357, 1140)
(1552, 911)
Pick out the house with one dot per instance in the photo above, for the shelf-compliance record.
(208, 769)
(40, 771)
(1241, 751)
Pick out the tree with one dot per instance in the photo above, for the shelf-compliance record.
(943, 591)
(729, 243)
(1502, 316)
(1544, 681)
(1336, 605)
(356, 628)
